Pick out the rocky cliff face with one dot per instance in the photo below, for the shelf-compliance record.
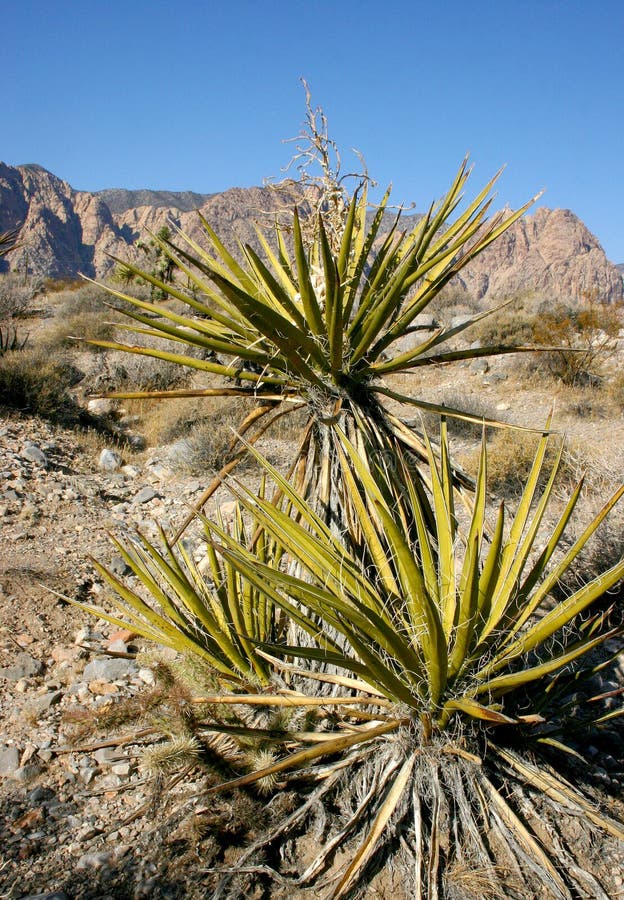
(64, 232)
(550, 254)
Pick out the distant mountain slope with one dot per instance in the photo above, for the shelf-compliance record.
(63, 232)
(120, 200)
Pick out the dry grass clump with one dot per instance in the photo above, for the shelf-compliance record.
(206, 424)
(614, 389)
(80, 312)
(33, 381)
(584, 402)
(510, 458)
(513, 324)
(210, 439)
(474, 405)
(16, 294)
(587, 337)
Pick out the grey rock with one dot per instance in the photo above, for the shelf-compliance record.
(117, 646)
(119, 566)
(56, 895)
(480, 367)
(9, 761)
(108, 669)
(27, 773)
(129, 421)
(177, 453)
(45, 701)
(88, 774)
(25, 666)
(136, 441)
(94, 860)
(110, 460)
(131, 471)
(105, 756)
(101, 406)
(34, 454)
(145, 495)
(38, 794)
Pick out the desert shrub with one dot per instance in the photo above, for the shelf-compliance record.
(615, 389)
(583, 401)
(62, 333)
(86, 298)
(16, 293)
(513, 324)
(145, 373)
(208, 439)
(81, 311)
(11, 339)
(33, 381)
(474, 405)
(510, 457)
(62, 285)
(453, 302)
(586, 335)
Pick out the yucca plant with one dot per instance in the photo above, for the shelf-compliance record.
(209, 612)
(8, 241)
(443, 652)
(319, 322)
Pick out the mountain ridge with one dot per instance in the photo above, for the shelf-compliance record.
(64, 232)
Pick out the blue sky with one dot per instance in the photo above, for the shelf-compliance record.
(199, 95)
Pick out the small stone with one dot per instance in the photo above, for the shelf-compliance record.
(43, 703)
(103, 688)
(110, 460)
(502, 407)
(34, 454)
(108, 669)
(29, 820)
(117, 646)
(9, 760)
(25, 666)
(480, 367)
(27, 773)
(83, 636)
(24, 640)
(28, 754)
(57, 895)
(101, 406)
(105, 756)
(136, 441)
(131, 471)
(94, 860)
(38, 794)
(147, 676)
(61, 654)
(45, 755)
(145, 495)
(121, 769)
(124, 634)
(118, 566)
(88, 774)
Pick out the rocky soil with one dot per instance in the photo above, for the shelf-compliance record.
(63, 801)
